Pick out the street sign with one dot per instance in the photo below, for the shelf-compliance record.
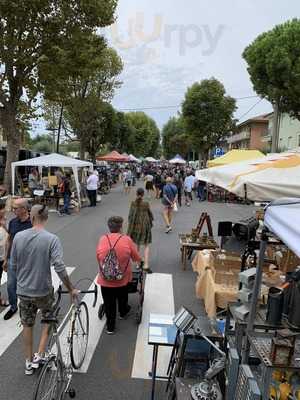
(219, 152)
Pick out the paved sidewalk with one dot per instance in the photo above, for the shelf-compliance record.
(109, 374)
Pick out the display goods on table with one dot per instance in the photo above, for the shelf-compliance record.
(276, 348)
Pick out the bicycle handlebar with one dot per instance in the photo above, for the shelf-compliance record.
(95, 292)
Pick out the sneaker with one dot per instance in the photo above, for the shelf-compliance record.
(9, 314)
(38, 360)
(110, 332)
(28, 368)
(168, 229)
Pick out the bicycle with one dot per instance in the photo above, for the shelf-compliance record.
(56, 374)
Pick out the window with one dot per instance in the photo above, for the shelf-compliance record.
(299, 140)
(290, 142)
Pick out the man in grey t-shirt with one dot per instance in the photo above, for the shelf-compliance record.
(33, 252)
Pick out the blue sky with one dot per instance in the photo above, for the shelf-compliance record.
(168, 45)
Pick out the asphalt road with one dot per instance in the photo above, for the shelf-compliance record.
(109, 373)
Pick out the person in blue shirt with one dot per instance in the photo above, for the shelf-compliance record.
(169, 200)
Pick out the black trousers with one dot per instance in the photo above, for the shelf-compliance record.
(179, 196)
(92, 197)
(110, 298)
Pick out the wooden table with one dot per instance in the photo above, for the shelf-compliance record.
(187, 246)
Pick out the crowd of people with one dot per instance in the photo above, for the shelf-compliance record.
(28, 250)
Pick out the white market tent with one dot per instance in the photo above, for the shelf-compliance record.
(177, 160)
(134, 159)
(52, 160)
(282, 217)
(265, 179)
(151, 159)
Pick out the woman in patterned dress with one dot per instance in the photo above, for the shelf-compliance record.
(140, 221)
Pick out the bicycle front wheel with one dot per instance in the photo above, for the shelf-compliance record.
(79, 335)
(48, 387)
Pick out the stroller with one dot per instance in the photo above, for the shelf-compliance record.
(135, 286)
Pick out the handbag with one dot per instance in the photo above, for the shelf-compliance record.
(175, 207)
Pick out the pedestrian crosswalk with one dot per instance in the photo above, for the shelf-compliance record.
(159, 298)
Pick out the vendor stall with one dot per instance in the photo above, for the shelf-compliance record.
(264, 179)
(277, 350)
(53, 160)
(217, 281)
(114, 156)
(235, 156)
(177, 160)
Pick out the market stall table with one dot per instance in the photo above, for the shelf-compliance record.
(161, 332)
(188, 245)
(217, 282)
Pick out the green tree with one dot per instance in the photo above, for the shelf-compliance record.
(95, 120)
(274, 66)
(208, 114)
(123, 135)
(174, 139)
(146, 135)
(30, 31)
(96, 79)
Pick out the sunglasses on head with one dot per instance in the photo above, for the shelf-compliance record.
(42, 209)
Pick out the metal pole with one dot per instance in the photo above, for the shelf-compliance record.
(59, 128)
(256, 292)
(275, 130)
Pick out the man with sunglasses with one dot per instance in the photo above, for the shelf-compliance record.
(18, 224)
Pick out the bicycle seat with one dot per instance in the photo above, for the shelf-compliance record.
(50, 320)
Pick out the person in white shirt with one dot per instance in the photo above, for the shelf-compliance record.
(189, 184)
(92, 186)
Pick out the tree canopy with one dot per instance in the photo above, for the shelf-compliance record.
(30, 31)
(207, 114)
(94, 119)
(174, 139)
(145, 134)
(274, 66)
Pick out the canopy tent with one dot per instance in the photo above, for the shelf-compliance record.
(151, 159)
(177, 160)
(114, 156)
(282, 217)
(52, 160)
(234, 156)
(265, 179)
(132, 158)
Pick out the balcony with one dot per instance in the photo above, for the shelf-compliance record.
(239, 137)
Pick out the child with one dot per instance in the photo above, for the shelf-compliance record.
(3, 240)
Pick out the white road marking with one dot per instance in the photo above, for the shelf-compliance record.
(11, 329)
(95, 330)
(159, 298)
(4, 278)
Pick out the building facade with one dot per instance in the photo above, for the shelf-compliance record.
(249, 134)
(289, 133)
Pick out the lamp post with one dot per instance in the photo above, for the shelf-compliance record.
(53, 137)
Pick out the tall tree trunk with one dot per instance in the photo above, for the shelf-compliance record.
(81, 148)
(11, 133)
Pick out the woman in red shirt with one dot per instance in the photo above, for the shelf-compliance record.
(116, 290)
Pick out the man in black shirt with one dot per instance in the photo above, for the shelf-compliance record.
(157, 183)
(67, 193)
(18, 224)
